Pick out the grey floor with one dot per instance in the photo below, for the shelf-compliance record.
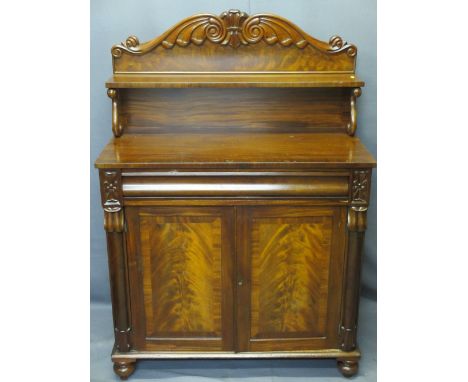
(232, 370)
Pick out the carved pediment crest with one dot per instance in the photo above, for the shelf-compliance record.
(234, 28)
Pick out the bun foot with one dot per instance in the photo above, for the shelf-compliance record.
(348, 368)
(124, 369)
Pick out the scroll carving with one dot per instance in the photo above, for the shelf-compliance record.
(357, 219)
(352, 124)
(117, 127)
(234, 28)
(113, 221)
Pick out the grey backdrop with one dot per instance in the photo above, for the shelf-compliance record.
(112, 21)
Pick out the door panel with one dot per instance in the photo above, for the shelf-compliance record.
(290, 260)
(181, 259)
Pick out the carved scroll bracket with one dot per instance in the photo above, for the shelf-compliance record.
(117, 125)
(352, 124)
(357, 219)
(114, 221)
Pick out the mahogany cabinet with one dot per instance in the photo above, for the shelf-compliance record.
(234, 193)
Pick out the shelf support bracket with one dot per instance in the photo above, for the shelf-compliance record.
(117, 126)
(352, 124)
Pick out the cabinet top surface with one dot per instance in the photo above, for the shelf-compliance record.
(235, 151)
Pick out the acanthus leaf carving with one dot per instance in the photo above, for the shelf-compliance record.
(233, 21)
(196, 30)
(111, 186)
(273, 30)
(360, 187)
(234, 28)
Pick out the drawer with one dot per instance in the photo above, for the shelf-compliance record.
(304, 184)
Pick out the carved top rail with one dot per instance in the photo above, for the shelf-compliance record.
(234, 43)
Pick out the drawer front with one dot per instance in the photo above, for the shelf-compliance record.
(236, 184)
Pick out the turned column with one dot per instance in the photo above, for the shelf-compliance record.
(357, 224)
(112, 203)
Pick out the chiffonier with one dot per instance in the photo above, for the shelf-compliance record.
(234, 193)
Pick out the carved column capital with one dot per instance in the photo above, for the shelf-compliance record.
(360, 187)
(112, 201)
(359, 199)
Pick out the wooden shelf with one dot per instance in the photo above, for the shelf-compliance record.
(232, 80)
(241, 150)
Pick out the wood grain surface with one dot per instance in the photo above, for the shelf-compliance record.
(181, 259)
(291, 261)
(215, 58)
(235, 110)
(181, 275)
(245, 150)
(290, 258)
(234, 80)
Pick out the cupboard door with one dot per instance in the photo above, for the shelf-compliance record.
(290, 262)
(180, 268)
